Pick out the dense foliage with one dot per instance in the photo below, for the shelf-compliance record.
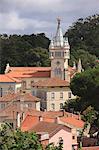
(86, 86)
(17, 140)
(84, 40)
(11, 139)
(26, 50)
(84, 34)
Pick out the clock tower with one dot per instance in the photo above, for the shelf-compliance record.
(59, 50)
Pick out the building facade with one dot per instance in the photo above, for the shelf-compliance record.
(50, 84)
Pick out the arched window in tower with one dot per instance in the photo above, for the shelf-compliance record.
(58, 72)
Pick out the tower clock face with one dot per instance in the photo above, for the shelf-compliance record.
(58, 62)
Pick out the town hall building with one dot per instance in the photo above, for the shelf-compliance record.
(50, 84)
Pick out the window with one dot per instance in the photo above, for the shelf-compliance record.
(32, 83)
(69, 94)
(57, 54)
(61, 105)
(1, 92)
(33, 93)
(53, 106)
(24, 84)
(61, 94)
(60, 140)
(29, 105)
(52, 95)
(73, 137)
(52, 54)
(57, 71)
(2, 106)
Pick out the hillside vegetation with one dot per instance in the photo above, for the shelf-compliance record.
(32, 50)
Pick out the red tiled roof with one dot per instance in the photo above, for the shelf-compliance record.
(11, 110)
(18, 96)
(73, 121)
(28, 69)
(50, 118)
(34, 74)
(29, 122)
(54, 114)
(91, 148)
(50, 128)
(56, 82)
(28, 72)
(5, 78)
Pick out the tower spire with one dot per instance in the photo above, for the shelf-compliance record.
(58, 20)
(79, 66)
(59, 35)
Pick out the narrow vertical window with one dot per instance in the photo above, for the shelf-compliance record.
(24, 84)
(53, 106)
(61, 105)
(69, 94)
(1, 92)
(61, 94)
(53, 95)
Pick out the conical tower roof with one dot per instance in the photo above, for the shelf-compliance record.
(59, 40)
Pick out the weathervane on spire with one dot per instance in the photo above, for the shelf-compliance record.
(58, 20)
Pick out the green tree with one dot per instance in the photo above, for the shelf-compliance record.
(88, 60)
(24, 50)
(17, 140)
(84, 35)
(86, 86)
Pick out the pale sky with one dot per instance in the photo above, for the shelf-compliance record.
(35, 16)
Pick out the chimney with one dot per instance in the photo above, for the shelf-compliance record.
(63, 112)
(40, 118)
(18, 120)
(57, 119)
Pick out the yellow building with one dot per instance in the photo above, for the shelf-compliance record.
(9, 85)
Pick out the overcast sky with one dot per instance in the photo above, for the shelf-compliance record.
(35, 16)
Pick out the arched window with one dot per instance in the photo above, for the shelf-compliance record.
(52, 106)
(61, 105)
(58, 72)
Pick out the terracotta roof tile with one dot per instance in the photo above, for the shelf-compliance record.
(56, 82)
(50, 118)
(11, 110)
(29, 122)
(73, 121)
(5, 78)
(28, 72)
(18, 96)
(50, 128)
(27, 69)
